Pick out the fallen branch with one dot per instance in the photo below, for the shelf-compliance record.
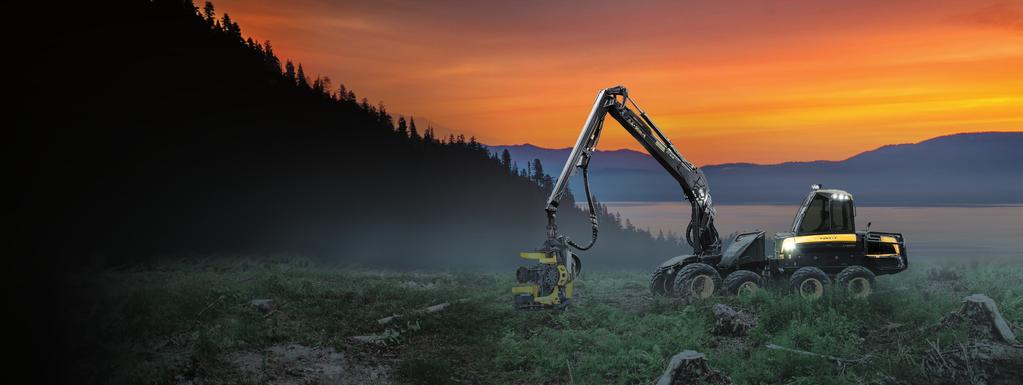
(838, 360)
(216, 301)
(275, 309)
(571, 378)
(426, 310)
(370, 339)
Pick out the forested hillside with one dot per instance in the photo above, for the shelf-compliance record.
(158, 128)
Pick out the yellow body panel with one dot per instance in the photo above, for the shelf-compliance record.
(524, 290)
(825, 238)
(539, 257)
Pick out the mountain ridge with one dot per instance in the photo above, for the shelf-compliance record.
(534, 147)
(962, 168)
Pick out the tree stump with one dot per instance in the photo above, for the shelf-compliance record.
(729, 322)
(985, 319)
(992, 355)
(690, 368)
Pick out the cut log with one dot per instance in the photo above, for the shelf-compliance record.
(690, 367)
(729, 322)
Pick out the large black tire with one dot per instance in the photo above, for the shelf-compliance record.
(743, 282)
(809, 282)
(697, 281)
(857, 280)
(662, 283)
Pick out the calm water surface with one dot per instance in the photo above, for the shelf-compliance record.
(984, 231)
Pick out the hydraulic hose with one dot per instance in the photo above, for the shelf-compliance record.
(593, 213)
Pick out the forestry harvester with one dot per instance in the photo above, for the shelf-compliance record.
(822, 246)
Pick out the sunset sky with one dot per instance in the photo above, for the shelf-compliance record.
(729, 81)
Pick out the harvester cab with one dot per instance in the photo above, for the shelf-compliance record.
(824, 237)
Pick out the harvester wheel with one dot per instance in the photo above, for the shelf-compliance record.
(661, 282)
(743, 282)
(697, 281)
(858, 280)
(809, 282)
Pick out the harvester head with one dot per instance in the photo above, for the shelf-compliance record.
(548, 283)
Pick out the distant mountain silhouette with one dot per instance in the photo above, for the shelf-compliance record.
(181, 135)
(969, 168)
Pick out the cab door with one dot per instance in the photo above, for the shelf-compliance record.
(826, 235)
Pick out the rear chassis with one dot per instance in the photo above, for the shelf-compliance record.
(880, 252)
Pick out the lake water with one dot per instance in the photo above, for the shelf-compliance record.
(945, 232)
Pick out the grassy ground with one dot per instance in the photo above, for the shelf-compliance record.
(184, 321)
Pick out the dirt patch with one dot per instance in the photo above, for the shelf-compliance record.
(298, 365)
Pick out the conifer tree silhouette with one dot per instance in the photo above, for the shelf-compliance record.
(289, 73)
(402, 129)
(303, 82)
(413, 134)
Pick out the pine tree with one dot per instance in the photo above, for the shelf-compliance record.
(384, 117)
(303, 82)
(271, 60)
(325, 86)
(209, 13)
(342, 93)
(428, 135)
(232, 28)
(413, 134)
(537, 172)
(402, 127)
(506, 160)
(289, 72)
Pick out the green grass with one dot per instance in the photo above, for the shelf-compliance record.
(163, 322)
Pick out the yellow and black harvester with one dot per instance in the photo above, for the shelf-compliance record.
(823, 245)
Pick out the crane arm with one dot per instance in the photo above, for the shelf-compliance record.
(701, 233)
(549, 283)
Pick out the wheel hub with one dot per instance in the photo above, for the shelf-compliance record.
(859, 287)
(747, 288)
(811, 288)
(702, 286)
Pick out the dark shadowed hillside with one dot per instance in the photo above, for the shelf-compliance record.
(155, 128)
(975, 168)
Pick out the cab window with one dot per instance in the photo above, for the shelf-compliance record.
(841, 216)
(815, 219)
